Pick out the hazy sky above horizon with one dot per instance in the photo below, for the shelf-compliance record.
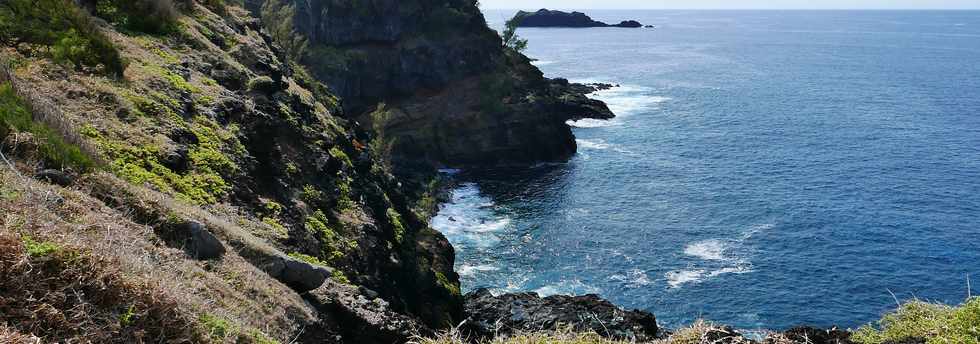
(733, 4)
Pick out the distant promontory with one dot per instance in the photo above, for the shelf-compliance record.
(549, 18)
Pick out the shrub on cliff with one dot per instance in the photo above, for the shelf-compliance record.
(935, 323)
(150, 16)
(15, 115)
(66, 32)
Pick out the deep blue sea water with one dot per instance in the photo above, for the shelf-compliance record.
(766, 169)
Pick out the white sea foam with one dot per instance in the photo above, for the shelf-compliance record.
(708, 249)
(470, 270)
(542, 62)
(599, 144)
(634, 278)
(469, 220)
(623, 101)
(680, 277)
(567, 287)
(719, 257)
(590, 123)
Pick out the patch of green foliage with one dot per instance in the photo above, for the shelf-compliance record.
(395, 219)
(38, 249)
(933, 322)
(344, 200)
(509, 36)
(307, 258)
(381, 146)
(16, 115)
(453, 288)
(149, 16)
(495, 87)
(332, 244)
(175, 81)
(337, 153)
(276, 225)
(311, 194)
(68, 31)
(203, 184)
(126, 318)
(217, 328)
(222, 330)
(339, 276)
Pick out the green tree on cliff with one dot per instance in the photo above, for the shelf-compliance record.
(511, 39)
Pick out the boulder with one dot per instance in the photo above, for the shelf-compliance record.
(199, 242)
(490, 315)
(299, 275)
(56, 177)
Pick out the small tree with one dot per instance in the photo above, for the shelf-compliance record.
(510, 37)
(381, 146)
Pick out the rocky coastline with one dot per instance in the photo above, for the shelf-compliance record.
(266, 173)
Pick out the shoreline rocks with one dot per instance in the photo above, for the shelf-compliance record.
(549, 18)
(490, 316)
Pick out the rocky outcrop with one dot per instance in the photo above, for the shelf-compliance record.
(490, 316)
(452, 94)
(551, 18)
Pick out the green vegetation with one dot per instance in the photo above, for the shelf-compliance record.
(333, 246)
(68, 33)
(344, 200)
(453, 288)
(311, 194)
(337, 153)
(510, 37)
(216, 327)
(149, 16)
(395, 219)
(37, 249)
(381, 146)
(175, 81)
(495, 87)
(339, 276)
(307, 258)
(277, 16)
(934, 322)
(15, 115)
(203, 184)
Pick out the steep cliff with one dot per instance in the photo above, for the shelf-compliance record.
(196, 138)
(433, 78)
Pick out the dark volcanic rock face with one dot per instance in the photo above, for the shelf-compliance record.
(452, 94)
(527, 312)
(549, 18)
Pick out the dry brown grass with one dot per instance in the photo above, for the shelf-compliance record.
(69, 294)
(231, 289)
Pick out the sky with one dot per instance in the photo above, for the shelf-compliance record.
(732, 4)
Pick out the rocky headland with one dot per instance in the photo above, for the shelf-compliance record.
(553, 18)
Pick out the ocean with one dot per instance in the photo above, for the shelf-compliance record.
(766, 169)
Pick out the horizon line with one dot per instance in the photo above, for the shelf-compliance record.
(740, 9)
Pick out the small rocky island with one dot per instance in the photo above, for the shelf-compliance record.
(550, 18)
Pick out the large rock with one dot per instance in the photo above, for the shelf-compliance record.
(550, 18)
(299, 275)
(491, 315)
(201, 243)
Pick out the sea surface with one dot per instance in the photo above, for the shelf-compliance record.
(766, 169)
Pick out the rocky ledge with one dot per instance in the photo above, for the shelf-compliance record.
(490, 316)
(550, 18)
